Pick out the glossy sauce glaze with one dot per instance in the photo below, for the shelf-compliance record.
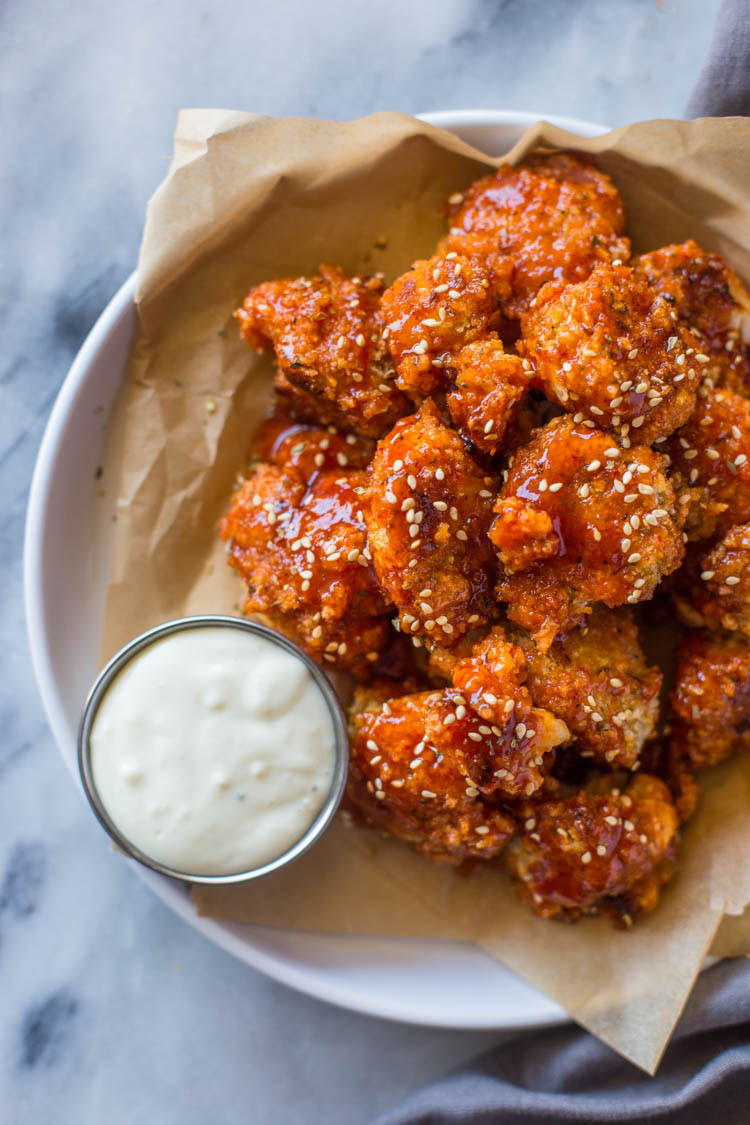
(213, 751)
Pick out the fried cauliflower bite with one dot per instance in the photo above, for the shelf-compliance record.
(489, 387)
(431, 311)
(579, 521)
(596, 852)
(710, 464)
(492, 680)
(309, 450)
(428, 510)
(553, 217)
(326, 332)
(608, 348)
(710, 299)
(596, 679)
(302, 548)
(403, 784)
(711, 697)
(717, 592)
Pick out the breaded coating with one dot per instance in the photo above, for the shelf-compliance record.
(597, 680)
(553, 218)
(718, 597)
(492, 677)
(309, 450)
(509, 736)
(581, 521)
(597, 853)
(710, 299)
(430, 312)
(680, 776)
(710, 465)
(327, 334)
(506, 759)
(609, 349)
(302, 548)
(489, 387)
(711, 697)
(428, 511)
(403, 784)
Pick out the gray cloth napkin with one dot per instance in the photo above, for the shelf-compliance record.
(723, 88)
(564, 1074)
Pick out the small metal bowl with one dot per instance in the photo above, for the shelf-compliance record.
(118, 662)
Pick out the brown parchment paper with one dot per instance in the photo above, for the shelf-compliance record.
(248, 198)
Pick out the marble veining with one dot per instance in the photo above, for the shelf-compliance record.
(112, 1009)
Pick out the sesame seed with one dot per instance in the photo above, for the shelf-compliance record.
(634, 558)
(555, 487)
(600, 849)
(586, 857)
(593, 466)
(439, 474)
(428, 793)
(732, 580)
(462, 535)
(482, 830)
(474, 736)
(488, 697)
(707, 575)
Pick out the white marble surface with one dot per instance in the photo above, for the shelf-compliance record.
(112, 1009)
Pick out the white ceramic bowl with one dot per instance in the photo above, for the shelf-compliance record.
(66, 564)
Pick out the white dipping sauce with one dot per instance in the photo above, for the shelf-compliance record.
(213, 750)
